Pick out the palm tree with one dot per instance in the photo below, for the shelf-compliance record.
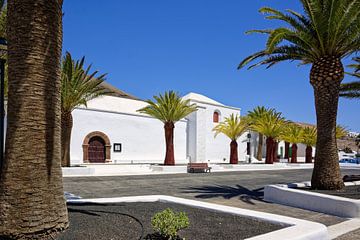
(292, 133)
(233, 127)
(255, 115)
(352, 89)
(78, 86)
(32, 203)
(270, 125)
(169, 108)
(327, 32)
(309, 139)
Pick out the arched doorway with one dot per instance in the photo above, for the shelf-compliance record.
(96, 148)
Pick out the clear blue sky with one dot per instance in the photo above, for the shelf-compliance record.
(148, 47)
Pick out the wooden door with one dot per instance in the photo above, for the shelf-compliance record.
(96, 150)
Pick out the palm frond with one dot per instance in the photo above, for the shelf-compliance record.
(292, 133)
(266, 121)
(352, 89)
(168, 107)
(309, 136)
(327, 28)
(233, 127)
(78, 85)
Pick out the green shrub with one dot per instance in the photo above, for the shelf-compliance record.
(167, 223)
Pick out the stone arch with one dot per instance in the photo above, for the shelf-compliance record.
(86, 146)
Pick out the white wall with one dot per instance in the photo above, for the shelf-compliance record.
(207, 148)
(142, 137)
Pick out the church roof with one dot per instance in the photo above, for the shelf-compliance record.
(117, 92)
(201, 98)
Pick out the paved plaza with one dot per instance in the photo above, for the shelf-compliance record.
(238, 189)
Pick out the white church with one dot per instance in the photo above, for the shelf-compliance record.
(110, 130)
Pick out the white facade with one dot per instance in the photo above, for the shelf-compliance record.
(116, 120)
(142, 137)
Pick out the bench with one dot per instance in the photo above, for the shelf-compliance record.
(191, 167)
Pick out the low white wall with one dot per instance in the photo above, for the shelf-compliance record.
(142, 137)
(294, 228)
(339, 206)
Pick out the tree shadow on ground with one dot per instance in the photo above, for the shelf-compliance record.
(227, 192)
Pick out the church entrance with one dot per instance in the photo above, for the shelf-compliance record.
(96, 150)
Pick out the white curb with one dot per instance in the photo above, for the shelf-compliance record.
(297, 229)
(343, 227)
(287, 195)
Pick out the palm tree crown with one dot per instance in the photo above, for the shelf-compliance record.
(169, 107)
(271, 124)
(257, 113)
(292, 133)
(327, 28)
(78, 85)
(309, 136)
(233, 127)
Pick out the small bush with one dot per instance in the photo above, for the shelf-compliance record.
(167, 223)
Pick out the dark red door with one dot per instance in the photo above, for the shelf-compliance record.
(96, 150)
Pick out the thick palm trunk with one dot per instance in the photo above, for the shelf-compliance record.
(326, 76)
(32, 204)
(275, 151)
(259, 149)
(234, 159)
(294, 149)
(308, 154)
(169, 139)
(269, 159)
(66, 127)
(287, 146)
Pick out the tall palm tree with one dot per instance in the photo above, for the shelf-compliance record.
(32, 204)
(255, 115)
(78, 86)
(292, 133)
(322, 36)
(169, 108)
(352, 89)
(309, 139)
(270, 125)
(233, 127)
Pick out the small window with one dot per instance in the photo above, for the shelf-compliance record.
(216, 117)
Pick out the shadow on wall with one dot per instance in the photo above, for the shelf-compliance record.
(227, 192)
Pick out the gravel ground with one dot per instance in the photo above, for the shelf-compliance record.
(348, 192)
(133, 221)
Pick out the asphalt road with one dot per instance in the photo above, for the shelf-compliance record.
(239, 189)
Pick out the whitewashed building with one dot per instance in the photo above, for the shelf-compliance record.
(111, 130)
